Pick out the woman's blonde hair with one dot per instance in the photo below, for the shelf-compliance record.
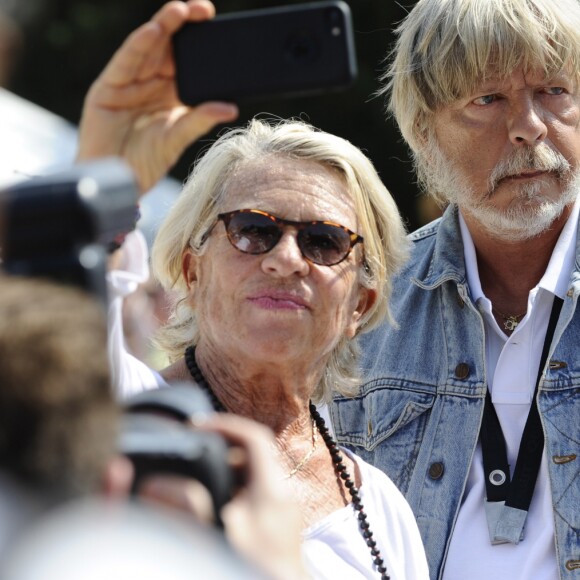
(445, 48)
(196, 210)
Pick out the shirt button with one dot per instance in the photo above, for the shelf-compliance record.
(436, 470)
(462, 371)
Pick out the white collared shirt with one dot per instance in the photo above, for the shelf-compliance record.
(512, 367)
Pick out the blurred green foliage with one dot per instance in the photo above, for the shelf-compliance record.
(70, 41)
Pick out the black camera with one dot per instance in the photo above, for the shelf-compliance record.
(157, 436)
(60, 226)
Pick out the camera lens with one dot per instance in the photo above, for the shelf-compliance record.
(301, 49)
(334, 21)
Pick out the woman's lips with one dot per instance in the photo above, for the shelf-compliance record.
(274, 300)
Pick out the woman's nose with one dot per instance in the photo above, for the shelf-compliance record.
(285, 258)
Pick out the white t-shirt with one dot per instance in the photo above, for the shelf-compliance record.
(334, 548)
(512, 366)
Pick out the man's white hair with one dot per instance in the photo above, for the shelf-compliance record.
(445, 48)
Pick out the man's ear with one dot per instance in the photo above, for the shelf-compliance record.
(189, 268)
(366, 299)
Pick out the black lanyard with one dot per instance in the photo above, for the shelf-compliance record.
(518, 493)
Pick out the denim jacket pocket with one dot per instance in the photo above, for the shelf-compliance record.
(384, 427)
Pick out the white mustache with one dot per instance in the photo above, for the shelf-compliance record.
(538, 158)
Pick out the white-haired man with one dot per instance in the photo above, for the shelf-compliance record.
(486, 93)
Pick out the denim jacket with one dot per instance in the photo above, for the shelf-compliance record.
(419, 411)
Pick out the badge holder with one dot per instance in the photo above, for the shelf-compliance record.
(504, 524)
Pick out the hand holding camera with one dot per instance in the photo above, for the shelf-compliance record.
(219, 468)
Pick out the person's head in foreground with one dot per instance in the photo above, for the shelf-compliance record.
(57, 411)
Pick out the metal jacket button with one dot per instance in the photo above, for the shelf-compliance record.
(436, 470)
(462, 371)
(556, 364)
(562, 459)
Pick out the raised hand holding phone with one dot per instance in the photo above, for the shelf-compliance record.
(132, 110)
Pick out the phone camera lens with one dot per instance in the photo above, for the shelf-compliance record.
(301, 49)
(334, 21)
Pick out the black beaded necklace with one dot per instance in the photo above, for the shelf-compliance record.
(333, 448)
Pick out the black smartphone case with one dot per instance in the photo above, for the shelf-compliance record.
(258, 54)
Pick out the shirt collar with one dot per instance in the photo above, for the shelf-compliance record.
(557, 274)
(470, 257)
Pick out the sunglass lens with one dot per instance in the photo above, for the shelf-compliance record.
(253, 233)
(324, 243)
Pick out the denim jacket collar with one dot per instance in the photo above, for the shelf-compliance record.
(446, 261)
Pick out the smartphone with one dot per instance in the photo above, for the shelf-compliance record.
(285, 51)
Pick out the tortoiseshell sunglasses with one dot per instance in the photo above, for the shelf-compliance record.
(253, 231)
